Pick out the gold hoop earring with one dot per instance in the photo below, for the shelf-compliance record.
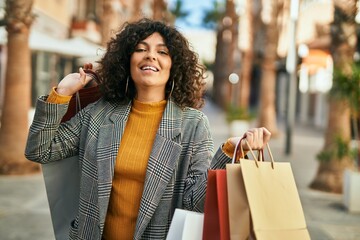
(172, 88)
(127, 85)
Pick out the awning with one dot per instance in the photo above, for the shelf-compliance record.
(316, 59)
(84, 48)
(75, 47)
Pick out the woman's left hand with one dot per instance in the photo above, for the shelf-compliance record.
(256, 137)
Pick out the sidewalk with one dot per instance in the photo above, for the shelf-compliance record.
(24, 211)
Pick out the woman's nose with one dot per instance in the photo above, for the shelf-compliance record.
(150, 55)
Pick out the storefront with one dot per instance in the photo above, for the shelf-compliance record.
(52, 59)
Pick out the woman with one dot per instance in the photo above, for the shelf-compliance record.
(144, 148)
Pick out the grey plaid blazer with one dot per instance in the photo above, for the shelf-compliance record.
(176, 172)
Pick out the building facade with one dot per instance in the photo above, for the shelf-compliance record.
(68, 33)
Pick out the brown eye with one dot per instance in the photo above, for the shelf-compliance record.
(163, 52)
(140, 50)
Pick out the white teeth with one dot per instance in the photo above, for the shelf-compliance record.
(149, 68)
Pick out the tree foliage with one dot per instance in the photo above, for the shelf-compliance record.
(213, 15)
(178, 10)
(347, 86)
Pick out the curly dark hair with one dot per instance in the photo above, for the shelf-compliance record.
(186, 71)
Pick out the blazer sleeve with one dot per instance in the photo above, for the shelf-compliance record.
(202, 160)
(48, 140)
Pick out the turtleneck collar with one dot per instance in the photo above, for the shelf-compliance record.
(149, 106)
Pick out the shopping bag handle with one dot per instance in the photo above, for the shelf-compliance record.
(95, 77)
(242, 150)
(256, 159)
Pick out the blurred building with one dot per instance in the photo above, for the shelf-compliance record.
(316, 65)
(68, 33)
(55, 50)
(314, 70)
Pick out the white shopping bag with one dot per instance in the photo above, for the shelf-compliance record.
(186, 225)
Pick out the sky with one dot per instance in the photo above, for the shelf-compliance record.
(196, 10)
(202, 40)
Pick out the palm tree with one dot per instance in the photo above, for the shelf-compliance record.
(160, 10)
(267, 114)
(334, 157)
(14, 116)
(213, 16)
(226, 47)
(177, 12)
(247, 52)
(113, 12)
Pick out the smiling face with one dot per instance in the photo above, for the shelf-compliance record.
(150, 65)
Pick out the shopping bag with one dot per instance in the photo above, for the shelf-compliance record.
(62, 178)
(186, 225)
(62, 183)
(239, 211)
(216, 217)
(275, 207)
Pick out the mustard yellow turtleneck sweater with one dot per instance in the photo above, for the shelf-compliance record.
(130, 169)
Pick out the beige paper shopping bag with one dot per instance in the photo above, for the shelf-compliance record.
(239, 211)
(274, 202)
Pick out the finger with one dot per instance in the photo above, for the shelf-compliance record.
(82, 72)
(258, 143)
(83, 78)
(266, 135)
(260, 136)
(255, 139)
(249, 137)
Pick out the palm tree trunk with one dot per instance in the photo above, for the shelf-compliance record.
(267, 116)
(14, 117)
(329, 176)
(112, 18)
(245, 82)
(160, 10)
(220, 70)
(137, 7)
(226, 47)
(247, 51)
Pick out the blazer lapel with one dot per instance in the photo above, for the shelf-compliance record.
(110, 135)
(165, 153)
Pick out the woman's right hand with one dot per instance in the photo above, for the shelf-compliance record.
(73, 82)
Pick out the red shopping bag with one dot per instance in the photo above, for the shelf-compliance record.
(216, 213)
